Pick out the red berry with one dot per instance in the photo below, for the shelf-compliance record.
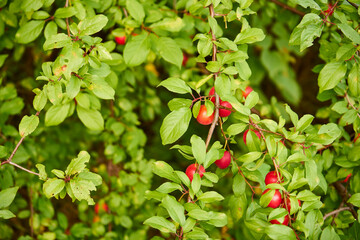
(185, 59)
(347, 178)
(225, 161)
(120, 40)
(276, 199)
(285, 222)
(247, 91)
(224, 112)
(202, 117)
(271, 177)
(96, 208)
(191, 169)
(105, 207)
(212, 93)
(256, 132)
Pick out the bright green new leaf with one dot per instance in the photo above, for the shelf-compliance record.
(73, 87)
(78, 164)
(170, 51)
(161, 224)
(164, 170)
(196, 183)
(59, 40)
(53, 186)
(175, 125)
(136, 10)
(6, 214)
(177, 103)
(101, 88)
(42, 172)
(250, 35)
(249, 157)
(175, 209)
(92, 25)
(169, 187)
(199, 214)
(198, 148)
(40, 101)
(65, 12)
(81, 189)
(28, 125)
(7, 196)
(238, 185)
(331, 75)
(91, 118)
(280, 232)
(136, 50)
(175, 85)
(210, 196)
(56, 114)
(29, 31)
(355, 199)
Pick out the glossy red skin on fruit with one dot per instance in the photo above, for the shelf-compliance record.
(347, 178)
(276, 200)
(185, 59)
(191, 169)
(256, 132)
(211, 93)
(105, 207)
(330, 10)
(225, 161)
(120, 40)
(285, 222)
(271, 177)
(202, 118)
(247, 91)
(225, 112)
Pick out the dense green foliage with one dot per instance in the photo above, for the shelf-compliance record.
(101, 103)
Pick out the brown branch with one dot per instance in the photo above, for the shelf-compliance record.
(345, 196)
(217, 99)
(67, 19)
(335, 212)
(283, 5)
(353, 4)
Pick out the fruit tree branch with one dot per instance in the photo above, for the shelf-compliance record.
(283, 5)
(345, 196)
(335, 212)
(217, 99)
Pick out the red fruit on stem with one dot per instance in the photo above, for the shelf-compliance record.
(224, 112)
(185, 59)
(330, 9)
(247, 91)
(356, 138)
(211, 93)
(104, 206)
(96, 208)
(203, 118)
(276, 199)
(285, 222)
(120, 40)
(271, 177)
(347, 178)
(191, 169)
(256, 132)
(225, 161)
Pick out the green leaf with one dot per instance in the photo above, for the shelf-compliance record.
(136, 10)
(175, 125)
(250, 35)
(354, 80)
(28, 125)
(164, 170)
(329, 234)
(308, 3)
(175, 209)
(311, 174)
(235, 129)
(210, 196)
(169, 187)
(73, 87)
(6, 214)
(78, 164)
(53, 186)
(59, 40)
(196, 183)
(250, 157)
(280, 232)
(7, 196)
(29, 31)
(96, 179)
(2, 59)
(198, 148)
(199, 214)
(101, 88)
(355, 199)
(92, 25)
(238, 185)
(91, 118)
(293, 116)
(304, 122)
(297, 157)
(177, 103)
(170, 51)
(81, 189)
(58, 173)
(331, 75)
(349, 32)
(161, 224)
(136, 50)
(42, 172)
(175, 85)
(40, 101)
(56, 114)
(65, 12)
(345, 52)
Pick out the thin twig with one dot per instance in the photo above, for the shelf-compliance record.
(335, 212)
(353, 4)
(345, 196)
(348, 100)
(283, 5)
(67, 19)
(22, 168)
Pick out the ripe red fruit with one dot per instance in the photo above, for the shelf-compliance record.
(225, 112)
(285, 222)
(330, 10)
(247, 91)
(211, 93)
(202, 117)
(225, 161)
(185, 59)
(105, 207)
(191, 169)
(120, 40)
(271, 177)
(347, 178)
(276, 200)
(256, 132)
